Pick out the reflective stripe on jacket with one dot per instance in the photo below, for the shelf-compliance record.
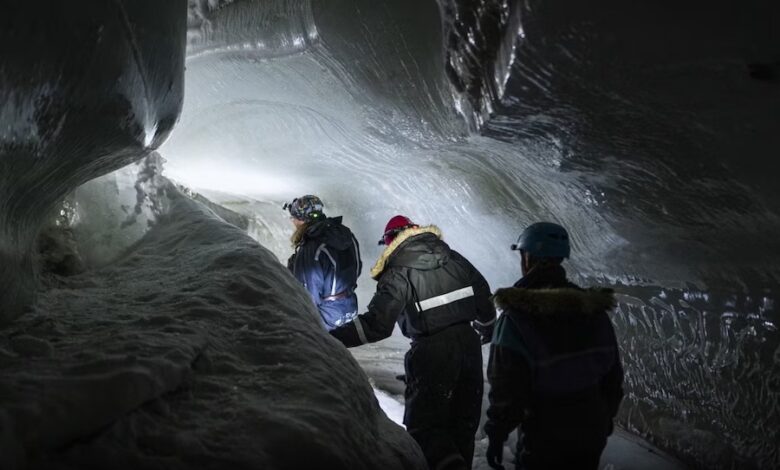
(424, 286)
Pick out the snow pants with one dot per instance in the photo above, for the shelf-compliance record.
(564, 433)
(444, 384)
(544, 453)
(550, 459)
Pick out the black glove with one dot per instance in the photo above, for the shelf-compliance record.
(495, 453)
(485, 332)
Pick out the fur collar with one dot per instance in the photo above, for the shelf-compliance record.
(554, 301)
(381, 263)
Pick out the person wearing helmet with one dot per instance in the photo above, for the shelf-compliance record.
(442, 303)
(326, 260)
(554, 367)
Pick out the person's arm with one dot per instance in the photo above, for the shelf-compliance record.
(378, 323)
(510, 383)
(486, 312)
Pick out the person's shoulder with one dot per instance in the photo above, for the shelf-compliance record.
(510, 298)
(345, 231)
(455, 256)
(334, 223)
(307, 248)
(393, 274)
(506, 335)
(548, 302)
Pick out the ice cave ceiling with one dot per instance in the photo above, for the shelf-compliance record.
(649, 128)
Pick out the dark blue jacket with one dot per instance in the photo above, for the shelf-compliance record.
(554, 365)
(327, 263)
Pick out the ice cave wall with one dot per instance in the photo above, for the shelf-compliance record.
(85, 88)
(88, 387)
(668, 114)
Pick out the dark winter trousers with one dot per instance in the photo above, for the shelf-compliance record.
(444, 396)
(547, 454)
(552, 460)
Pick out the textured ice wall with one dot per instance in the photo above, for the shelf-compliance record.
(85, 87)
(366, 121)
(660, 115)
(650, 135)
(112, 212)
(703, 373)
(670, 120)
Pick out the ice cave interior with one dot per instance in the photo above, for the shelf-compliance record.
(146, 149)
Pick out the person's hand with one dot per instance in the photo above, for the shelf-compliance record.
(485, 333)
(495, 453)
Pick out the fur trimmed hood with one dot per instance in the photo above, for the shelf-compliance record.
(381, 263)
(554, 301)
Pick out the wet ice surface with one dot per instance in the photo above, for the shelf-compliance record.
(196, 349)
(702, 371)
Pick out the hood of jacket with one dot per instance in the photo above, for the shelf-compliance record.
(331, 232)
(417, 247)
(555, 302)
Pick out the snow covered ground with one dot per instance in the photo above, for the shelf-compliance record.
(196, 349)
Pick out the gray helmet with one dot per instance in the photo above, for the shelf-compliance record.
(307, 208)
(544, 240)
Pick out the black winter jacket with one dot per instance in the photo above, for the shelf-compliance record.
(554, 365)
(426, 287)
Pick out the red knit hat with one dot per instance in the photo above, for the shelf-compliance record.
(394, 227)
